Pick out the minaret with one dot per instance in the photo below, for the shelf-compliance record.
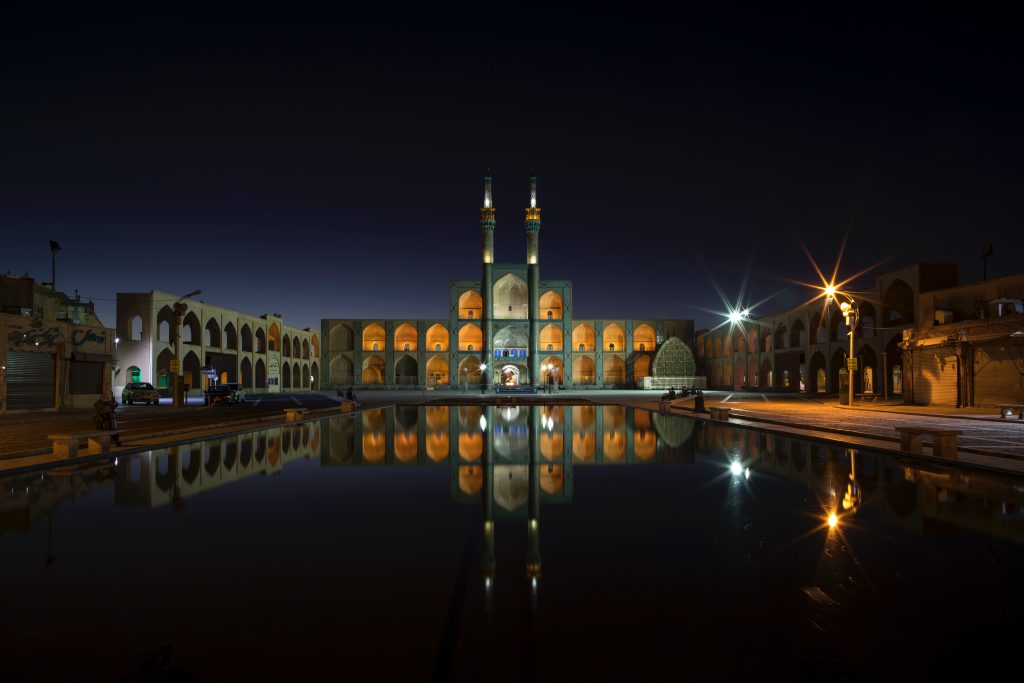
(487, 280)
(533, 278)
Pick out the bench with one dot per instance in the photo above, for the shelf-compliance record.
(944, 441)
(867, 397)
(1006, 410)
(66, 445)
(294, 414)
(719, 413)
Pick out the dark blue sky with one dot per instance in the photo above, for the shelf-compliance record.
(330, 165)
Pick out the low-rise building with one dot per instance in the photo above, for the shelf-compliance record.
(217, 345)
(55, 354)
(968, 348)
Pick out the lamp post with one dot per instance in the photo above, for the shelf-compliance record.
(851, 314)
(179, 309)
(483, 379)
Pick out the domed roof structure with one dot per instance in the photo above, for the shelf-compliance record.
(512, 337)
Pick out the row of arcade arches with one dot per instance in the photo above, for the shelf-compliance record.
(228, 337)
(470, 338)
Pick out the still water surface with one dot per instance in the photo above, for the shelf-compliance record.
(530, 543)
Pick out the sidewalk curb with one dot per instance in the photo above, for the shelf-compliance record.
(860, 435)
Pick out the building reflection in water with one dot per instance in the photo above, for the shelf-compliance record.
(513, 460)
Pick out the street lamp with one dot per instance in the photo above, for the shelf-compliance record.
(851, 314)
(483, 378)
(179, 309)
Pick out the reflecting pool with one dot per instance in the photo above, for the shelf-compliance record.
(509, 543)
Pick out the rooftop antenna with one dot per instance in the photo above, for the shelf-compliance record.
(986, 251)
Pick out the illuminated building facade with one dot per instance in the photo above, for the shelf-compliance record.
(805, 348)
(517, 324)
(217, 344)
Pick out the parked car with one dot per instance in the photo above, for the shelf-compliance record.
(229, 392)
(143, 392)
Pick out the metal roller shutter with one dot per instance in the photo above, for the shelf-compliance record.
(935, 376)
(85, 378)
(30, 380)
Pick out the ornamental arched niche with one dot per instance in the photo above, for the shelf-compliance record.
(471, 305)
(341, 337)
(644, 338)
(550, 305)
(373, 337)
(510, 298)
(674, 359)
(437, 338)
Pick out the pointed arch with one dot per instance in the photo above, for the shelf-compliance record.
(190, 328)
(341, 370)
(286, 347)
(286, 376)
(341, 338)
(405, 337)
(314, 344)
(230, 337)
(898, 304)
(614, 371)
(261, 340)
(406, 370)
(135, 328)
(510, 298)
(551, 338)
(471, 305)
(306, 381)
(583, 370)
(246, 372)
(641, 367)
(274, 337)
(613, 338)
(305, 349)
(471, 337)
(296, 347)
(260, 379)
(437, 370)
(191, 371)
(550, 305)
(583, 338)
(644, 338)
(437, 337)
(164, 320)
(211, 333)
(554, 365)
(373, 337)
(469, 370)
(373, 370)
(246, 337)
(296, 376)
(163, 369)
(798, 335)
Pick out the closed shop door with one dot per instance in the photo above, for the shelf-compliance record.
(85, 378)
(998, 376)
(29, 380)
(935, 377)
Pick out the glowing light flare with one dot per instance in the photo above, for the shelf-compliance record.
(833, 520)
(736, 468)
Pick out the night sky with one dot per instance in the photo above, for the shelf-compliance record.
(330, 165)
